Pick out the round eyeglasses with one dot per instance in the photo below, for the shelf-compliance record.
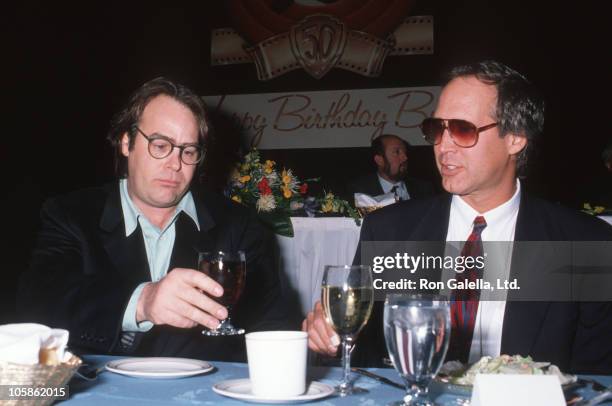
(160, 147)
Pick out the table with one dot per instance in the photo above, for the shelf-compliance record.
(607, 218)
(119, 390)
(317, 242)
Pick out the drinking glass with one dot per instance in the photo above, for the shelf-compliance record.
(229, 270)
(347, 298)
(417, 331)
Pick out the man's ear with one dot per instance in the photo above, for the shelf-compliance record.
(515, 143)
(379, 160)
(125, 144)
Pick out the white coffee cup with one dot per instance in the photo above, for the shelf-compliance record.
(277, 363)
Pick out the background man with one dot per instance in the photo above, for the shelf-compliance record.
(485, 122)
(115, 264)
(390, 154)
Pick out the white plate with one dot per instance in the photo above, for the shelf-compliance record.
(241, 389)
(438, 385)
(159, 367)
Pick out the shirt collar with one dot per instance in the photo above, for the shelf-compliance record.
(468, 214)
(131, 212)
(386, 185)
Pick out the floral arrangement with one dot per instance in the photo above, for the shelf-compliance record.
(278, 195)
(595, 211)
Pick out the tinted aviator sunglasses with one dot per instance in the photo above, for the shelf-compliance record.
(463, 133)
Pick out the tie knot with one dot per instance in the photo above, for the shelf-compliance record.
(479, 224)
(396, 192)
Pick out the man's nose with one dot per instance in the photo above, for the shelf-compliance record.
(446, 141)
(173, 161)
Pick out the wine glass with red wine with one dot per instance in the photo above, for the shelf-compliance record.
(228, 269)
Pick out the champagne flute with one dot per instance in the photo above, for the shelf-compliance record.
(347, 298)
(417, 331)
(229, 270)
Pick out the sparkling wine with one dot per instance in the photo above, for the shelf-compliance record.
(347, 310)
(229, 274)
(417, 338)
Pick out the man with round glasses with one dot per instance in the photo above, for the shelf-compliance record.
(116, 265)
(482, 130)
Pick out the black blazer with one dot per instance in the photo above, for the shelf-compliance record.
(84, 269)
(576, 336)
(370, 185)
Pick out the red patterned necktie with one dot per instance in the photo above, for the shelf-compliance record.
(464, 302)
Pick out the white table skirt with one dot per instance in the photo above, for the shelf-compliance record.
(317, 242)
(607, 218)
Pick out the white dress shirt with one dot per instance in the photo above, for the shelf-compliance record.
(501, 224)
(401, 191)
(159, 244)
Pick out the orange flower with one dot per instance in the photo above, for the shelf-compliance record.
(287, 193)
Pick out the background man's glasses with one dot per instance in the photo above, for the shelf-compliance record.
(160, 147)
(463, 133)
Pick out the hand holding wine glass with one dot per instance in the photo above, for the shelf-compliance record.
(229, 270)
(347, 297)
(417, 331)
(177, 300)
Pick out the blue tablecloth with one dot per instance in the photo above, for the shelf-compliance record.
(110, 388)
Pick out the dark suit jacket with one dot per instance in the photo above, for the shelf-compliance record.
(370, 185)
(576, 336)
(84, 269)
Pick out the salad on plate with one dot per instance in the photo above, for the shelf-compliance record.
(456, 373)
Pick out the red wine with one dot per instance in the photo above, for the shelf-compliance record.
(229, 274)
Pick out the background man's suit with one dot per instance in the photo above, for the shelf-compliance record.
(574, 336)
(370, 185)
(84, 269)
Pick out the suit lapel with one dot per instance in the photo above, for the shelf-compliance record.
(434, 223)
(433, 229)
(523, 320)
(189, 241)
(127, 254)
(374, 185)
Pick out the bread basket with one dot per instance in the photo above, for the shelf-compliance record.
(49, 378)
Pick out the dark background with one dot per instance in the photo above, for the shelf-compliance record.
(68, 68)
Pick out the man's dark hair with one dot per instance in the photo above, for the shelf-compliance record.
(378, 147)
(128, 118)
(520, 106)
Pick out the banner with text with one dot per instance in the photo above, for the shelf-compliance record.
(328, 119)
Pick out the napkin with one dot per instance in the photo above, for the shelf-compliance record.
(366, 203)
(30, 343)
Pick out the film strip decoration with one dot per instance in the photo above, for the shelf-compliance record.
(321, 42)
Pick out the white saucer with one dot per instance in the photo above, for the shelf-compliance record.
(159, 367)
(241, 389)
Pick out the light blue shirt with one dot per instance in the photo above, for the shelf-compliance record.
(158, 244)
(402, 192)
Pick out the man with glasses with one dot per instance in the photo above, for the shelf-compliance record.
(486, 121)
(115, 265)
